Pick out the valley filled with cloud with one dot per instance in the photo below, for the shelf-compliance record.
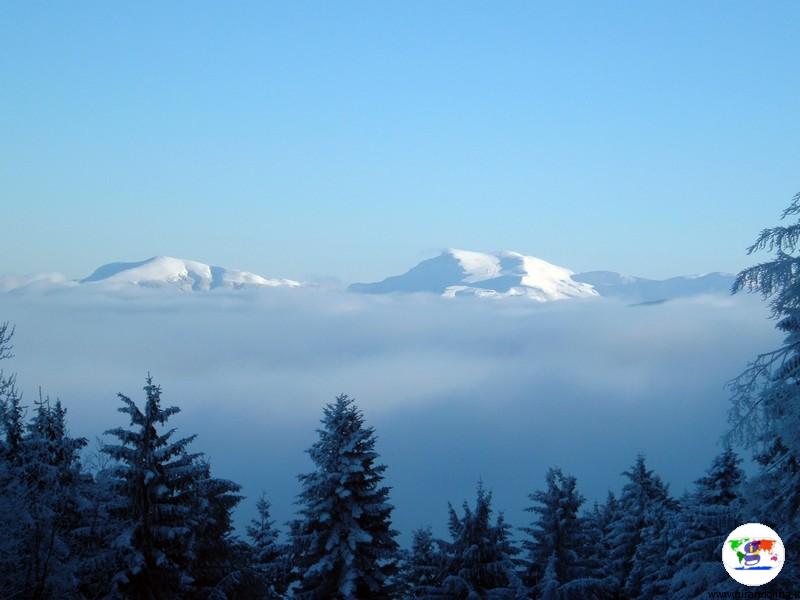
(458, 388)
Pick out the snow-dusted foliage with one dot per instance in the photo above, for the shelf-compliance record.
(593, 581)
(650, 571)
(479, 561)
(708, 514)
(269, 556)
(42, 495)
(345, 541)
(212, 549)
(423, 566)
(548, 586)
(765, 413)
(643, 495)
(172, 516)
(10, 410)
(554, 537)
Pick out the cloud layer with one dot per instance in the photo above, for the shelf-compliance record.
(457, 389)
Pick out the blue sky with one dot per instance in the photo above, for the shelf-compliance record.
(307, 139)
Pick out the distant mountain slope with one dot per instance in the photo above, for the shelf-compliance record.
(462, 272)
(166, 271)
(452, 273)
(40, 281)
(639, 289)
(502, 274)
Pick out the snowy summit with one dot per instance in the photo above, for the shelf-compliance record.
(466, 273)
(504, 274)
(188, 275)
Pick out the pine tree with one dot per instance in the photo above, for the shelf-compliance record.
(42, 494)
(154, 479)
(555, 535)
(212, 549)
(11, 412)
(345, 539)
(549, 586)
(650, 573)
(268, 555)
(592, 582)
(97, 558)
(643, 492)
(765, 412)
(479, 560)
(56, 497)
(707, 516)
(6, 347)
(422, 568)
(41, 504)
(721, 485)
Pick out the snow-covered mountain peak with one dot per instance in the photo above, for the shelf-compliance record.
(477, 266)
(167, 271)
(454, 272)
(458, 272)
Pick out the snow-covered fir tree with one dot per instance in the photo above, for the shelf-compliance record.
(765, 411)
(650, 573)
(42, 495)
(555, 534)
(41, 488)
(164, 503)
(642, 495)
(548, 585)
(11, 412)
(422, 567)
(479, 561)
(269, 556)
(345, 542)
(98, 558)
(708, 514)
(593, 581)
(212, 548)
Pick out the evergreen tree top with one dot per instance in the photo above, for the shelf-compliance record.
(643, 485)
(6, 335)
(763, 395)
(479, 558)
(262, 529)
(345, 540)
(719, 486)
(144, 440)
(776, 279)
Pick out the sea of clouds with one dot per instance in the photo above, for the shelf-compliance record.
(457, 389)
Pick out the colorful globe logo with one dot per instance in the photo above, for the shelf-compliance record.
(753, 554)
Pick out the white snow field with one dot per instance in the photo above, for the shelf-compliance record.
(162, 271)
(505, 274)
(453, 273)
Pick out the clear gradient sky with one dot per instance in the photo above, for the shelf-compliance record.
(305, 139)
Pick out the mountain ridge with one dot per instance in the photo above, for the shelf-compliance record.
(160, 271)
(457, 272)
(452, 273)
